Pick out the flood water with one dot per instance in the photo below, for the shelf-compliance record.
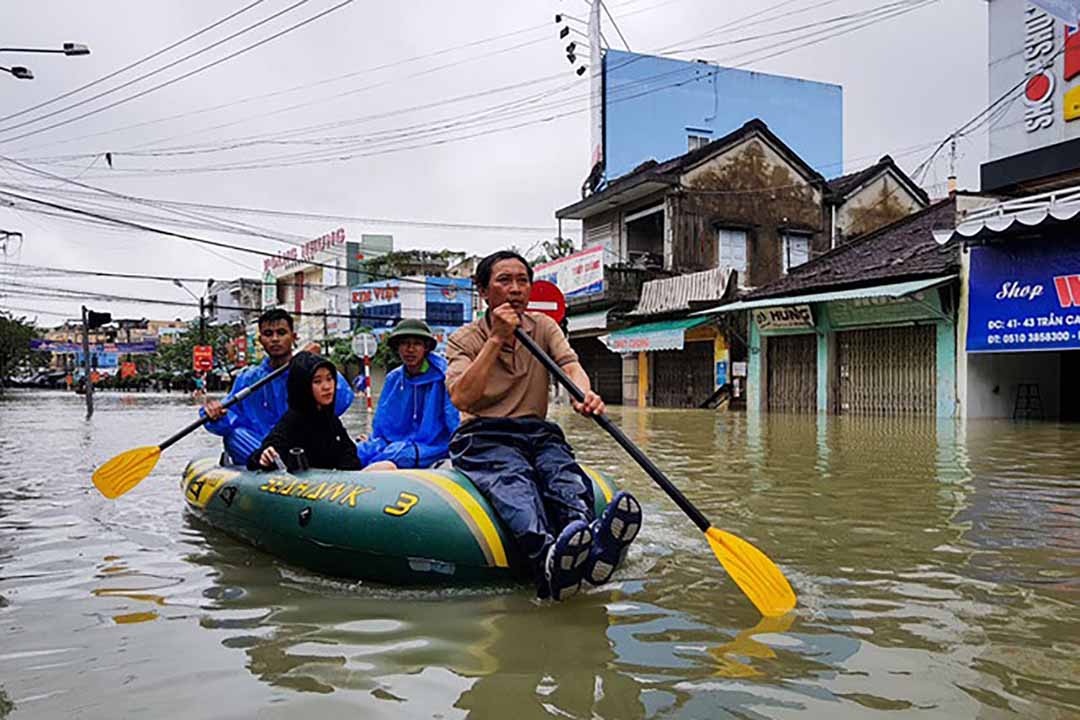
(937, 568)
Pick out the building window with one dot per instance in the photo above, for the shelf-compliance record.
(732, 245)
(796, 250)
(445, 313)
(693, 142)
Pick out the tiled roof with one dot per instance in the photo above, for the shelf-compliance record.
(670, 170)
(843, 185)
(904, 249)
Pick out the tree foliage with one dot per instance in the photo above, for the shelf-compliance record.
(559, 247)
(15, 336)
(176, 357)
(404, 262)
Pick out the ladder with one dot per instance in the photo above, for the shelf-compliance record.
(1028, 402)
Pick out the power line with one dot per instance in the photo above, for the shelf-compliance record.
(145, 59)
(925, 164)
(836, 19)
(195, 239)
(615, 24)
(10, 308)
(47, 293)
(303, 86)
(166, 204)
(187, 74)
(307, 158)
(23, 269)
(327, 125)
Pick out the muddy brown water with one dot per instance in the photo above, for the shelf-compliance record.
(937, 567)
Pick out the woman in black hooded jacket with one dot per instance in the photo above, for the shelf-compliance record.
(310, 422)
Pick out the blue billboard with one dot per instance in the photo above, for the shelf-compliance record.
(448, 301)
(1024, 297)
(654, 107)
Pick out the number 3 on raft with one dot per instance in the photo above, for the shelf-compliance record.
(405, 503)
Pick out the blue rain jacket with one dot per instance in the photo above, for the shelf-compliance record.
(246, 424)
(414, 419)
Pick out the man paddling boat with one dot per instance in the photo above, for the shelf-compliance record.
(520, 462)
(245, 425)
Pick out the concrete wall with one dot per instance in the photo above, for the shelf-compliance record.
(880, 202)
(993, 379)
(695, 217)
(652, 104)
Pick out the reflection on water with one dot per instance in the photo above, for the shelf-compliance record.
(937, 567)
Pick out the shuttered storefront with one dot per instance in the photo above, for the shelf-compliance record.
(603, 367)
(684, 378)
(600, 232)
(792, 373)
(887, 371)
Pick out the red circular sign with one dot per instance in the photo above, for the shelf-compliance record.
(546, 297)
(1038, 88)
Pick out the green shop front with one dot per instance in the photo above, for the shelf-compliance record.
(887, 349)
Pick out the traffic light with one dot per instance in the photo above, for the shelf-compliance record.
(97, 319)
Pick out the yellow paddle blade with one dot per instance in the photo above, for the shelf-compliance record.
(755, 574)
(126, 470)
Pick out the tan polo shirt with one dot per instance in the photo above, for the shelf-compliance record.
(518, 385)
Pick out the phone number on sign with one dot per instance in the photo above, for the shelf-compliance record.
(1034, 337)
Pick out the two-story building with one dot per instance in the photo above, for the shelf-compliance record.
(234, 302)
(699, 229)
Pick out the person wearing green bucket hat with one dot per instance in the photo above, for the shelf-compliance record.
(414, 418)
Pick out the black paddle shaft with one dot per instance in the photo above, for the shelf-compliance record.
(228, 403)
(627, 444)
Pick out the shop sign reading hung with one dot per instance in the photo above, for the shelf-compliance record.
(785, 317)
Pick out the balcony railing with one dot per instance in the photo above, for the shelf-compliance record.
(622, 285)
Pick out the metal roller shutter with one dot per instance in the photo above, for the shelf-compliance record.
(792, 373)
(887, 371)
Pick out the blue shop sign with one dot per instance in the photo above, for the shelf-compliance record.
(1024, 297)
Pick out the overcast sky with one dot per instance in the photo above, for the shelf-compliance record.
(907, 82)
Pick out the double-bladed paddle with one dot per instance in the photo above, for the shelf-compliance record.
(128, 469)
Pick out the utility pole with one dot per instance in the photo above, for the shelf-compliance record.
(86, 363)
(202, 321)
(952, 166)
(596, 87)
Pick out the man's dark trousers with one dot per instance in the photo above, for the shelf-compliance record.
(526, 470)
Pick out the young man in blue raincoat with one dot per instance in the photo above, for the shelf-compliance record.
(245, 425)
(415, 418)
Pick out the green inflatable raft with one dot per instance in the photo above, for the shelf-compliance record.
(405, 527)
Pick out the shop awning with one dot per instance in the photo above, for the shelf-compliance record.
(894, 290)
(664, 335)
(587, 321)
(1035, 211)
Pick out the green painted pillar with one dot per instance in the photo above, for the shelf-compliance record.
(824, 357)
(946, 370)
(754, 377)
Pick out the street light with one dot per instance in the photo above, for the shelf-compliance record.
(23, 73)
(19, 72)
(69, 49)
(202, 307)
